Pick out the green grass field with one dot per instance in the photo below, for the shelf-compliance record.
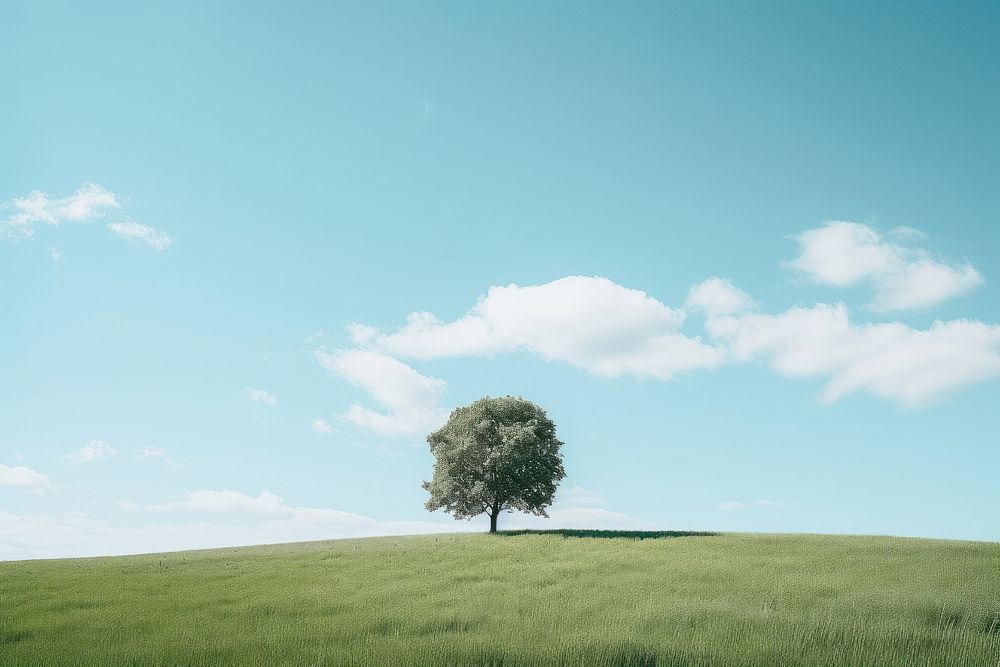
(525, 599)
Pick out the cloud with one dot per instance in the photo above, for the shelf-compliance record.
(610, 330)
(265, 503)
(261, 396)
(23, 477)
(321, 426)
(718, 296)
(733, 505)
(890, 360)
(588, 322)
(94, 450)
(156, 453)
(90, 202)
(135, 231)
(845, 254)
(361, 333)
(412, 400)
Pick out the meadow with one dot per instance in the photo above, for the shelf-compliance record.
(571, 598)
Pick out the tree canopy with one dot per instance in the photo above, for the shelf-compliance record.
(495, 455)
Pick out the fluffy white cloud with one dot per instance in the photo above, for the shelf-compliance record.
(135, 231)
(413, 400)
(261, 396)
(265, 503)
(94, 450)
(321, 426)
(588, 322)
(844, 254)
(719, 296)
(890, 360)
(21, 476)
(90, 202)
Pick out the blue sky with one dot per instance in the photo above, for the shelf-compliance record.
(745, 255)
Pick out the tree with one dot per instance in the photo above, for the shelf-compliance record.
(495, 455)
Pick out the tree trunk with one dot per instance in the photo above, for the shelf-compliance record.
(493, 520)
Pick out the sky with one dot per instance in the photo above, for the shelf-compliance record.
(746, 256)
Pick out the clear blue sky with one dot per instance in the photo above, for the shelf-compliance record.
(219, 192)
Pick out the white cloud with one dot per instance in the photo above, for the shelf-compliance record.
(718, 296)
(261, 396)
(265, 503)
(891, 360)
(361, 333)
(90, 202)
(321, 426)
(94, 450)
(23, 477)
(733, 505)
(588, 322)
(412, 399)
(135, 231)
(845, 254)
(610, 330)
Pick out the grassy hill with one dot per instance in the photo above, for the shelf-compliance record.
(515, 599)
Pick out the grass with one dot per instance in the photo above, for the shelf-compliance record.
(532, 598)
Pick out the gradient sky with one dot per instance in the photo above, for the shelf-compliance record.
(216, 222)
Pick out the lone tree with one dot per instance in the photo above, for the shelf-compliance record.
(495, 455)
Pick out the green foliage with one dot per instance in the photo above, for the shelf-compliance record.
(537, 599)
(495, 455)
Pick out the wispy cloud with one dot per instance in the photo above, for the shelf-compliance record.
(412, 400)
(95, 450)
(90, 202)
(159, 453)
(261, 396)
(144, 234)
